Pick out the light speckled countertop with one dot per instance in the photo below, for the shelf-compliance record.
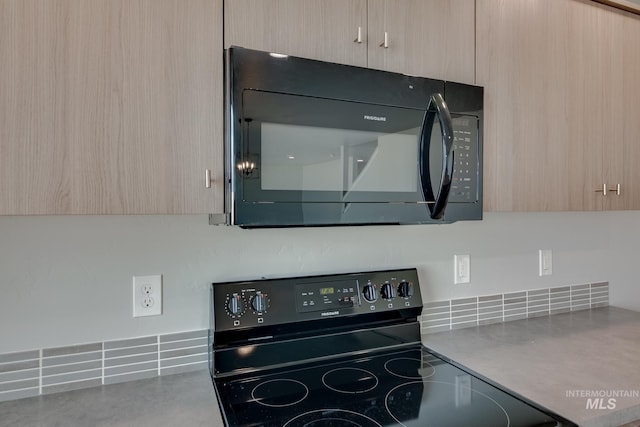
(181, 400)
(541, 359)
(558, 361)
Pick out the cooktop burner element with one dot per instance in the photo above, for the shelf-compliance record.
(331, 418)
(333, 351)
(444, 410)
(350, 380)
(279, 393)
(411, 369)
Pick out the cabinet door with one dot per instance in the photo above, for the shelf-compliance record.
(622, 140)
(431, 38)
(110, 106)
(541, 64)
(35, 157)
(316, 29)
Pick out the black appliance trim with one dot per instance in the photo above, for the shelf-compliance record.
(258, 356)
(437, 108)
(248, 69)
(244, 355)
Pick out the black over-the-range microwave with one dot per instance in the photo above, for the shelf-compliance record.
(311, 143)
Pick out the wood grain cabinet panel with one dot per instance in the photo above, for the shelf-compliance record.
(110, 106)
(543, 67)
(318, 29)
(432, 38)
(562, 98)
(622, 139)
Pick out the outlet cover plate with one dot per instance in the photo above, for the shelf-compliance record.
(545, 261)
(462, 267)
(147, 295)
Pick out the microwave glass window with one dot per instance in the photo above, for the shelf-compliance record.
(328, 151)
(308, 158)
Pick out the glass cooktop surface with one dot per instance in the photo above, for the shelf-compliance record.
(393, 388)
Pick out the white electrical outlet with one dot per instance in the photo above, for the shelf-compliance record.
(462, 269)
(147, 295)
(545, 261)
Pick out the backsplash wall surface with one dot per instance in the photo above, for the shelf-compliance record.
(439, 316)
(67, 279)
(53, 370)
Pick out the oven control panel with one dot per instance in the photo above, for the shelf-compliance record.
(238, 305)
(330, 295)
(466, 169)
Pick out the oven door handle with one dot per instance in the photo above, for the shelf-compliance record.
(437, 108)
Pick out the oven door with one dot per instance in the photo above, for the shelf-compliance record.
(301, 160)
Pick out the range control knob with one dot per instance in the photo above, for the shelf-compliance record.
(405, 289)
(369, 292)
(388, 291)
(259, 302)
(234, 305)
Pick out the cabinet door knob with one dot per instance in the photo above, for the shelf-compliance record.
(207, 178)
(385, 43)
(358, 38)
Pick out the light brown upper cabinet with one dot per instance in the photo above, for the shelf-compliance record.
(431, 38)
(561, 90)
(318, 29)
(110, 106)
(621, 142)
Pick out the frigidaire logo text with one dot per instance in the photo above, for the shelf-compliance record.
(375, 118)
(329, 313)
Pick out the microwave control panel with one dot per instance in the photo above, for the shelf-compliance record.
(464, 186)
(239, 305)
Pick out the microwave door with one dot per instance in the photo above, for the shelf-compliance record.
(436, 197)
(304, 160)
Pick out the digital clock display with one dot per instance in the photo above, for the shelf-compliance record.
(326, 296)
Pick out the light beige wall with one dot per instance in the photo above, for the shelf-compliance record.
(67, 279)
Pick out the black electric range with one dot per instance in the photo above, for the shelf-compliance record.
(344, 350)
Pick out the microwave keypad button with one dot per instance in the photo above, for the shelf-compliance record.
(465, 171)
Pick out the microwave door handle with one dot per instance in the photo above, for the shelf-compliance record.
(437, 108)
